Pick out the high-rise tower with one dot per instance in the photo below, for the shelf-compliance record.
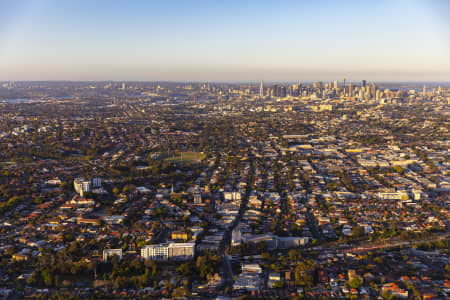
(261, 90)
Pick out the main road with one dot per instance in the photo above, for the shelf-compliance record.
(392, 244)
(227, 272)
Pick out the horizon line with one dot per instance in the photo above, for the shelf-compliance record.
(224, 81)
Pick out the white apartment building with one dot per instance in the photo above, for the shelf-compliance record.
(399, 195)
(169, 251)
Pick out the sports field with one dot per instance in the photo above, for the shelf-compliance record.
(187, 156)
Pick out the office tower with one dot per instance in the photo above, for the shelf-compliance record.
(350, 91)
(123, 85)
(363, 83)
(274, 90)
(279, 91)
(261, 90)
(336, 84)
(424, 90)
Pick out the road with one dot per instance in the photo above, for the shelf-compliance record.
(392, 244)
(315, 230)
(227, 272)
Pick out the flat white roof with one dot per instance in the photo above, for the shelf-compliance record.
(181, 245)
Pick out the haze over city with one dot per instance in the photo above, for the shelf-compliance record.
(225, 40)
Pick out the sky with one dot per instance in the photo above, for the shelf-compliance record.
(233, 40)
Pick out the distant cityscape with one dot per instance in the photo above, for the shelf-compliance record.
(314, 190)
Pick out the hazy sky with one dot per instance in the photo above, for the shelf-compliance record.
(225, 40)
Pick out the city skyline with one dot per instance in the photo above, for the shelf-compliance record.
(122, 190)
(217, 42)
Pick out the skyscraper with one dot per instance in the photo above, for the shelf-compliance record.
(261, 90)
(336, 84)
(363, 83)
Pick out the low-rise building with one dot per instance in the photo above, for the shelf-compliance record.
(169, 251)
(107, 253)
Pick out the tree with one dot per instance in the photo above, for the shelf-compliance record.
(207, 264)
(387, 295)
(64, 185)
(33, 278)
(399, 169)
(181, 292)
(184, 269)
(47, 277)
(115, 262)
(261, 246)
(303, 275)
(119, 282)
(278, 284)
(266, 255)
(358, 231)
(294, 255)
(355, 283)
